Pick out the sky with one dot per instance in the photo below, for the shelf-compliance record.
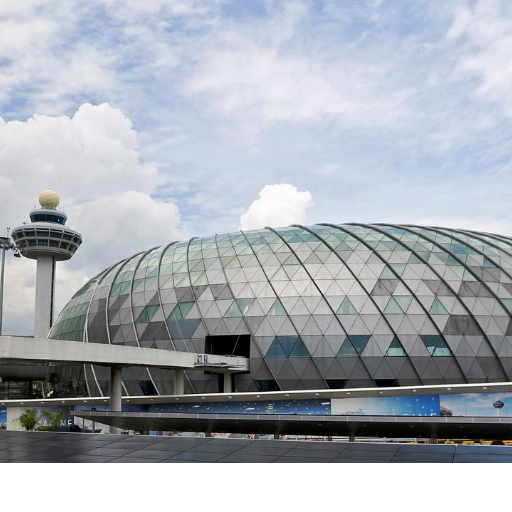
(161, 120)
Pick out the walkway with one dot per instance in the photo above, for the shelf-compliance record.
(71, 447)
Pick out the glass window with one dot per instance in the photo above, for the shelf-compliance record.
(147, 314)
(395, 349)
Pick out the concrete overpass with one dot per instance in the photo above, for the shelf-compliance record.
(20, 348)
(439, 427)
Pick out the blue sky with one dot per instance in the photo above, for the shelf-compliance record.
(180, 112)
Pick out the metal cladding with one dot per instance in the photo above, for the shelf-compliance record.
(324, 306)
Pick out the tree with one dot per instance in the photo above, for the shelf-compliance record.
(29, 419)
(54, 419)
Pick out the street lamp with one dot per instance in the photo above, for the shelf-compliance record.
(5, 245)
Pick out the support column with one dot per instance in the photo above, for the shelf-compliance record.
(433, 438)
(45, 279)
(352, 438)
(179, 382)
(228, 383)
(115, 393)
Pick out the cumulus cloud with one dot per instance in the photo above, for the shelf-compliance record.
(278, 205)
(120, 224)
(91, 160)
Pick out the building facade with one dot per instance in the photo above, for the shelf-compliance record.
(319, 307)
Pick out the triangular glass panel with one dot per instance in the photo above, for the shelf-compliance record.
(291, 270)
(288, 342)
(312, 258)
(430, 341)
(393, 308)
(280, 275)
(233, 311)
(395, 349)
(404, 301)
(347, 349)
(360, 341)
(299, 350)
(147, 314)
(244, 305)
(414, 260)
(346, 308)
(437, 308)
(277, 309)
(442, 349)
(387, 273)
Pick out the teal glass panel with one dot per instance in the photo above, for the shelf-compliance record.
(233, 311)
(360, 341)
(152, 272)
(387, 274)
(275, 350)
(287, 342)
(114, 292)
(346, 308)
(507, 303)
(395, 349)
(398, 268)
(180, 311)
(291, 270)
(442, 349)
(347, 349)
(244, 305)
(277, 309)
(437, 308)
(430, 341)
(299, 349)
(147, 314)
(280, 275)
(393, 308)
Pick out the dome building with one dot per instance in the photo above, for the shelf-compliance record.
(319, 307)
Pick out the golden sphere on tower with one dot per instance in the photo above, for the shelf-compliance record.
(49, 199)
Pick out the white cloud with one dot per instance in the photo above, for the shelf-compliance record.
(278, 205)
(256, 73)
(118, 225)
(486, 31)
(91, 160)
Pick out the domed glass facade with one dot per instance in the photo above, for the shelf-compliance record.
(324, 306)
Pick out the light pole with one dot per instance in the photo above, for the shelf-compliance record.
(5, 245)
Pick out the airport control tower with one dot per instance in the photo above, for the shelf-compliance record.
(46, 239)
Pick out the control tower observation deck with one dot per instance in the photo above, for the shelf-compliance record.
(46, 239)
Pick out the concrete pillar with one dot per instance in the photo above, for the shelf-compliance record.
(433, 438)
(352, 438)
(45, 279)
(208, 434)
(115, 393)
(228, 383)
(277, 435)
(179, 382)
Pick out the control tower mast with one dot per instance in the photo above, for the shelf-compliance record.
(47, 240)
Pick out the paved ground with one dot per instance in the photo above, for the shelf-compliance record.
(77, 447)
